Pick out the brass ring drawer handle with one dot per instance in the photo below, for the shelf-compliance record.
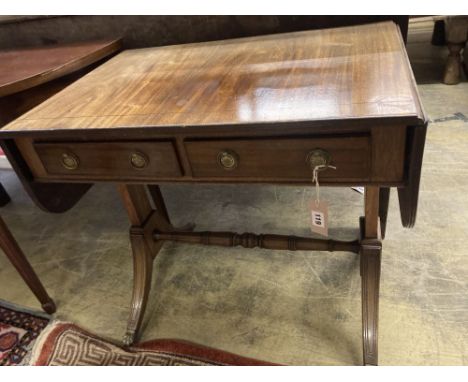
(228, 159)
(318, 157)
(138, 160)
(70, 161)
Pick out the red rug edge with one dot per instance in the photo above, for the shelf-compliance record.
(173, 346)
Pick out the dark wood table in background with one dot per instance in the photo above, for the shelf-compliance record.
(28, 76)
(264, 109)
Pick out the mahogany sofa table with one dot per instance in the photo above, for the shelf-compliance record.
(264, 109)
(28, 76)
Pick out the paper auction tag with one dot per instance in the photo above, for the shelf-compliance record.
(319, 217)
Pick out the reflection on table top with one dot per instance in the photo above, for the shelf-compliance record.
(332, 74)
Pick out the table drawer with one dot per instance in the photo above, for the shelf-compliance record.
(281, 158)
(109, 160)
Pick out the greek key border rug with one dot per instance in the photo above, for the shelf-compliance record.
(65, 344)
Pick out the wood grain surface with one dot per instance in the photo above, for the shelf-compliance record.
(112, 160)
(283, 158)
(22, 69)
(358, 72)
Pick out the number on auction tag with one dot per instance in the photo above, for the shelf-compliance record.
(319, 217)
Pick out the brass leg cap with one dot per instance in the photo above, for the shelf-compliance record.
(128, 339)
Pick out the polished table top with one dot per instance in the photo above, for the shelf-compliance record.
(359, 72)
(24, 68)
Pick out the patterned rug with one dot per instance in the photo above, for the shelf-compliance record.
(64, 344)
(19, 329)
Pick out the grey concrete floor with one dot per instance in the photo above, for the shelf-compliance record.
(288, 307)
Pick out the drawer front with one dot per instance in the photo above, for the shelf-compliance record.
(281, 159)
(109, 160)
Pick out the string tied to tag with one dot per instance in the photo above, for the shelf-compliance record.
(315, 179)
